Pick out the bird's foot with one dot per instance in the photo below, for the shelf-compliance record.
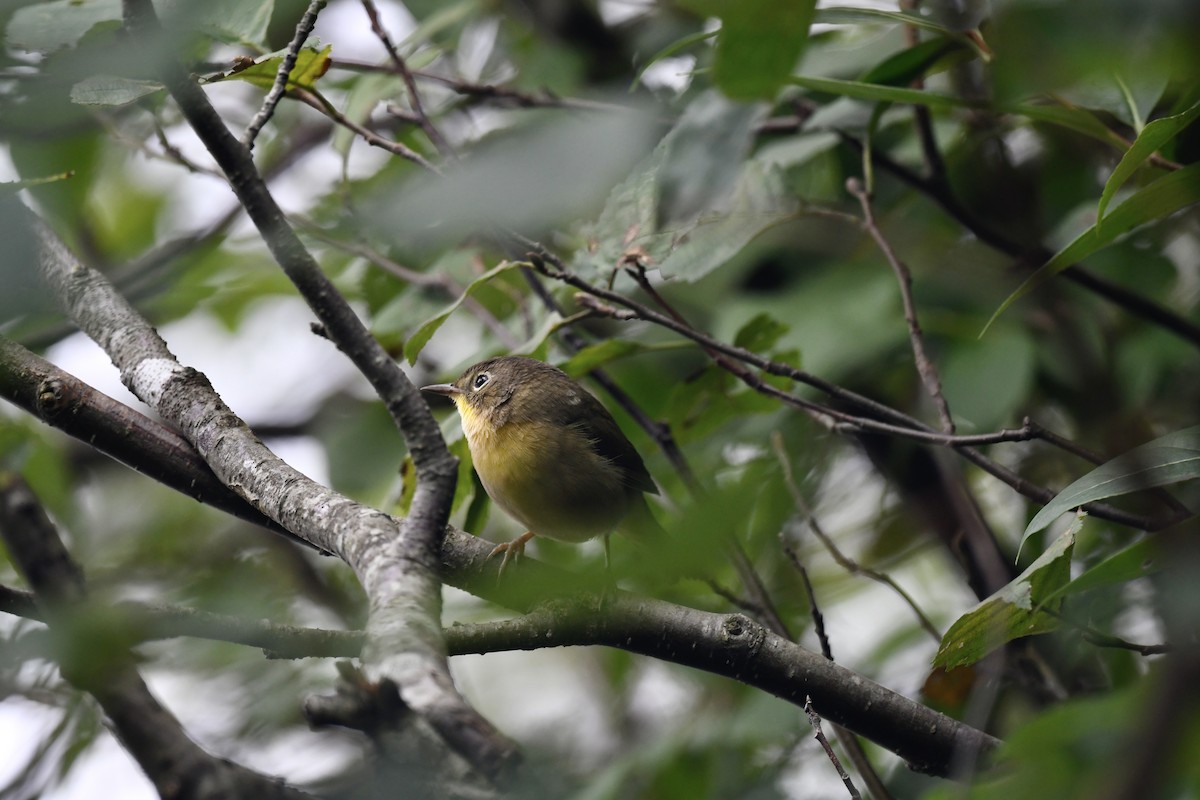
(513, 551)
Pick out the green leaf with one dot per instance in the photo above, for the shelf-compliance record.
(704, 156)
(854, 16)
(242, 22)
(530, 177)
(714, 241)
(1138, 560)
(844, 15)
(310, 65)
(1152, 137)
(670, 50)
(46, 27)
(111, 90)
(1079, 120)
(1076, 119)
(880, 93)
(443, 19)
(759, 44)
(464, 489)
(987, 382)
(1022, 608)
(760, 333)
(911, 63)
(537, 344)
(597, 355)
(759, 203)
(1069, 751)
(416, 343)
(1165, 196)
(1168, 459)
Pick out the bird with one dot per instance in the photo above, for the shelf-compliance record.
(550, 454)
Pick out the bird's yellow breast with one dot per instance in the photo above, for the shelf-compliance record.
(548, 477)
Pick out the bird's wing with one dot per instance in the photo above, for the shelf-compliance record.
(594, 421)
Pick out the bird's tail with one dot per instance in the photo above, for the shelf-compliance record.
(641, 526)
(661, 558)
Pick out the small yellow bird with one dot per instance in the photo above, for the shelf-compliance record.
(549, 454)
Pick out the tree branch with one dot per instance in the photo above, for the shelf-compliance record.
(67, 403)
(391, 560)
(320, 103)
(815, 720)
(397, 565)
(925, 366)
(1120, 296)
(307, 22)
(173, 762)
(401, 67)
(732, 645)
(780, 667)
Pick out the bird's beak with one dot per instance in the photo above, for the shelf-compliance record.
(448, 389)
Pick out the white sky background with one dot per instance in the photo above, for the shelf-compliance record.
(265, 371)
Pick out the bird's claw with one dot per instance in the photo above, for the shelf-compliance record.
(513, 551)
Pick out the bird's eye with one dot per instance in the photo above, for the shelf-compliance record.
(481, 380)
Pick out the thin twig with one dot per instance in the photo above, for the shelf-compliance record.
(847, 737)
(813, 608)
(844, 561)
(749, 575)
(815, 720)
(144, 622)
(1101, 639)
(279, 87)
(170, 153)
(925, 366)
(320, 103)
(908, 427)
(175, 155)
(832, 418)
(433, 280)
(1121, 296)
(486, 91)
(406, 75)
(935, 166)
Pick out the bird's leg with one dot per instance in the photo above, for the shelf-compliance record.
(609, 582)
(512, 550)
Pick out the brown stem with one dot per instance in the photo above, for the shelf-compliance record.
(307, 22)
(401, 68)
(925, 367)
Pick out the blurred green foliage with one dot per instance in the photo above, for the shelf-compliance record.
(991, 137)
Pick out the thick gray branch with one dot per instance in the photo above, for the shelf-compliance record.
(723, 644)
(62, 400)
(405, 643)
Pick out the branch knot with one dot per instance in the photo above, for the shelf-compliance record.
(742, 634)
